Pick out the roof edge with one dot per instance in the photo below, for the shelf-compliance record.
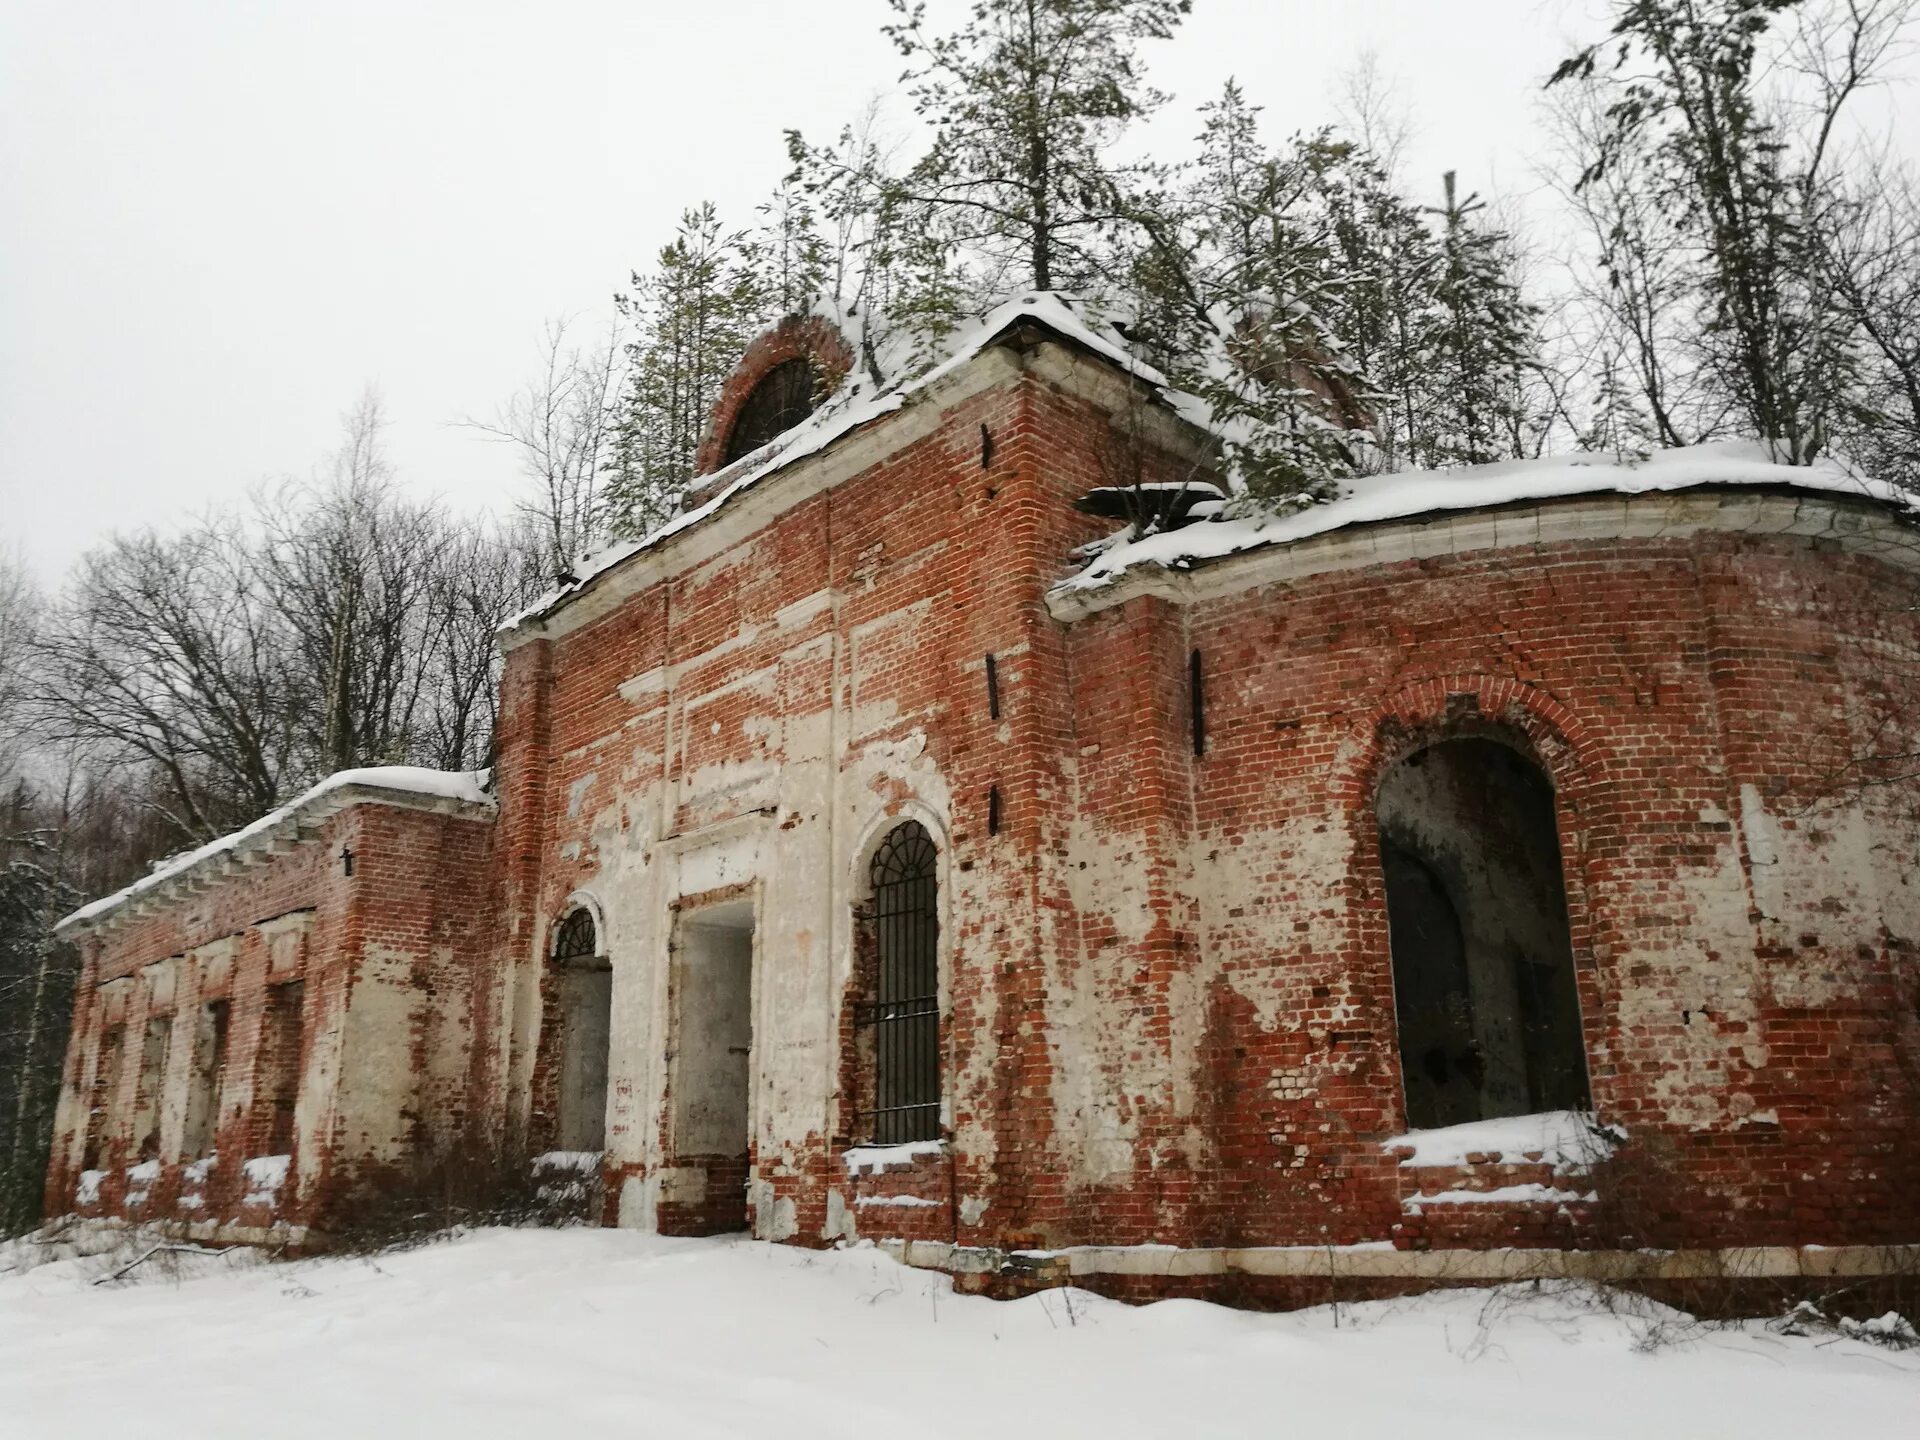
(999, 328)
(1856, 522)
(461, 794)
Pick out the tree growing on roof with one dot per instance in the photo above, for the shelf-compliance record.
(1481, 345)
(896, 271)
(1331, 325)
(690, 317)
(1712, 159)
(1027, 100)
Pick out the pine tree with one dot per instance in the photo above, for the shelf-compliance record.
(691, 318)
(894, 267)
(1384, 313)
(1235, 290)
(1480, 346)
(1026, 101)
(788, 251)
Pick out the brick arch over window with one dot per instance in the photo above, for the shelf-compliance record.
(1487, 1012)
(1573, 767)
(799, 340)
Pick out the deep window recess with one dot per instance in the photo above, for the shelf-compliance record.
(903, 1014)
(204, 1080)
(784, 397)
(1489, 1015)
(106, 1084)
(583, 988)
(150, 1088)
(280, 1062)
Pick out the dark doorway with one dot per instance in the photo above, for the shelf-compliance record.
(1489, 1015)
(583, 990)
(711, 1076)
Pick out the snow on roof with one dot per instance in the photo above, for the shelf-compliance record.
(1407, 494)
(859, 404)
(465, 786)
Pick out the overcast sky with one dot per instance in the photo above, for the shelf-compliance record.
(220, 222)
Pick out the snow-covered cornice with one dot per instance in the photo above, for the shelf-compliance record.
(841, 439)
(410, 787)
(1411, 515)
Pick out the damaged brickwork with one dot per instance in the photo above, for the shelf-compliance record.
(1492, 814)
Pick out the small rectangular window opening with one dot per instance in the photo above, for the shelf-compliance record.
(1197, 695)
(993, 688)
(993, 810)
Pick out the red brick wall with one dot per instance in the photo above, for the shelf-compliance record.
(415, 900)
(1680, 694)
(1168, 991)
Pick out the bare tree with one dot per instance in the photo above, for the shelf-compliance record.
(19, 616)
(163, 653)
(562, 425)
(351, 566)
(485, 574)
(1870, 246)
(1709, 141)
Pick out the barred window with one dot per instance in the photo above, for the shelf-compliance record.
(785, 396)
(575, 940)
(902, 1014)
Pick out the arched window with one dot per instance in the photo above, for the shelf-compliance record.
(1489, 1015)
(575, 939)
(900, 1018)
(583, 996)
(784, 397)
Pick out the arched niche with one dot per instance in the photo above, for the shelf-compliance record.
(1486, 1003)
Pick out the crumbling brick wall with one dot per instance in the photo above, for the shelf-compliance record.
(1168, 1010)
(1741, 922)
(351, 1021)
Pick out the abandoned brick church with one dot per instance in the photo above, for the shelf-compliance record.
(1435, 881)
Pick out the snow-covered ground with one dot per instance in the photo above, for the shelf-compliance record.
(535, 1333)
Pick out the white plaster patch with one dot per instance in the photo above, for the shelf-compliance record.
(730, 861)
(841, 1223)
(577, 793)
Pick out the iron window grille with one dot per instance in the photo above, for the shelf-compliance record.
(575, 940)
(903, 1014)
(785, 396)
